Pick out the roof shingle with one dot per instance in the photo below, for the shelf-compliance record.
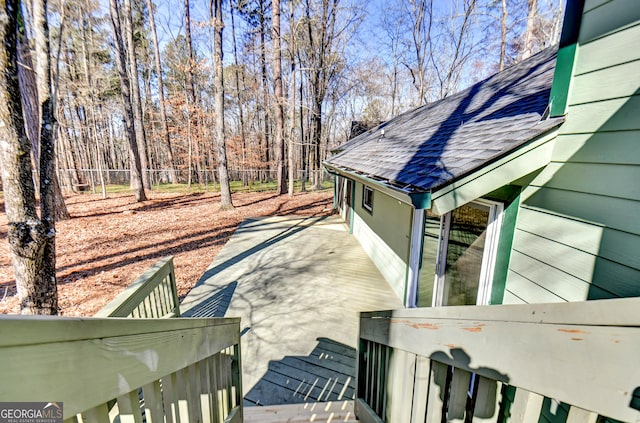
(438, 143)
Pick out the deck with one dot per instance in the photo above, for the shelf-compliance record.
(297, 284)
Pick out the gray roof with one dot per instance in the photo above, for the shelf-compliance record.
(436, 144)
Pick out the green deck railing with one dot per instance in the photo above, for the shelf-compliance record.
(153, 370)
(140, 367)
(152, 295)
(573, 362)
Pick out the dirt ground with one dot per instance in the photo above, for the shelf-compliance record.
(109, 242)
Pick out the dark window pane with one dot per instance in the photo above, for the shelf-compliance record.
(367, 198)
(467, 235)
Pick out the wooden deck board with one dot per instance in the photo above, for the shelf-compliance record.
(297, 284)
(341, 411)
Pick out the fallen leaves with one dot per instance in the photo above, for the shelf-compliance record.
(109, 242)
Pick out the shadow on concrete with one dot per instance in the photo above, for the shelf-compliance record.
(286, 233)
(326, 374)
(216, 305)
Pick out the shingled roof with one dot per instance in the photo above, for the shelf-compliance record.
(430, 147)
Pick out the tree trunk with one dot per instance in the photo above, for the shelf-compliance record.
(136, 99)
(192, 79)
(503, 36)
(192, 104)
(303, 145)
(163, 110)
(277, 82)
(265, 91)
(29, 91)
(316, 138)
(48, 129)
(292, 103)
(321, 41)
(422, 15)
(134, 159)
(449, 82)
(31, 240)
(218, 93)
(527, 47)
(243, 140)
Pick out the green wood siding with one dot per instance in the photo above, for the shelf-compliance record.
(616, 213)
(596, 148)
(610, 83)
(602, 18)
(606, 180)
(619, 114)
(384, 233)
(606, 52)
(578, 227)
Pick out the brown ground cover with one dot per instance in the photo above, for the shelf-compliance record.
(109, 242)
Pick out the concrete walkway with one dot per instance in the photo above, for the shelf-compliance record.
(297, 284)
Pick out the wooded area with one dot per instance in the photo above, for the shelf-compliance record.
(136, 88)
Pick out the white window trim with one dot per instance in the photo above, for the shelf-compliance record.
(488, 258)
(368, 207)
(490, 250)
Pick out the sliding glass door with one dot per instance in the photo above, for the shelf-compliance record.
(464, 257)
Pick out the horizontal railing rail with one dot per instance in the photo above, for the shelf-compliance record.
(152, 295)
(501, 363)
(153, 370)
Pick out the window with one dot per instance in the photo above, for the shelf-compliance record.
(367, 198)
(460, 248)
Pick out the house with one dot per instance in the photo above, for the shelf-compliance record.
(522, 188)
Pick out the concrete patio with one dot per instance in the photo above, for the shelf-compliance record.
(298, 284)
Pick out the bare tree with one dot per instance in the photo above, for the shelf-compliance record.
(129, 120)
(277, 84)
(292, 97)
(136, 101)
(321, 62)
(163, 109)
(393, 31)
(451, 59)
(218, 89)
(529, 33)
(192, 104)
(263, 68)
(31, 109)
(420, 15)
(503, 35)
(236, 66)
(31, 238)
(48, 129)
(542, 27)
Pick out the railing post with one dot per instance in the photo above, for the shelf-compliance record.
(236, 368)
(174, 290)
(526, 407)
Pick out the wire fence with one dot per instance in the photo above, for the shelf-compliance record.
(92, 180)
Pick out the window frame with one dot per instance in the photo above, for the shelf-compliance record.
(488, 258)
(367, 205)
